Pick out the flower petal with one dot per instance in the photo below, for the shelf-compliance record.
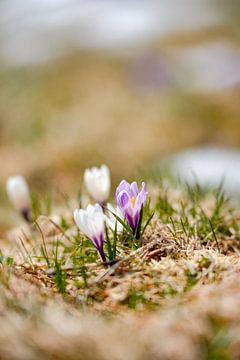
(98, 183)
(134, 189)
(124, 185)
(125, 194)
(123, 200)
(141, 197)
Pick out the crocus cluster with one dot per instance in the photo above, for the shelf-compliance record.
(92, 220)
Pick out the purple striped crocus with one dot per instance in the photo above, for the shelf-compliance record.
(91, 222)
(130, 201)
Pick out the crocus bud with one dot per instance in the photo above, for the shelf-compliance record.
(91, 223)
(19, 195)
(98, 183)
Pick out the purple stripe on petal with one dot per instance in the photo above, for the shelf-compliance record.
(136, 219)
(130, 221)
(98, 243)
(123, 199)
(95, 242)
(101, 240)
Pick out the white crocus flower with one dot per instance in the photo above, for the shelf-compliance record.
(98, 183)
(19, 195)
(111, 220)
(91, 223)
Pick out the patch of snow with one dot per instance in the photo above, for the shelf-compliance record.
(209, 166)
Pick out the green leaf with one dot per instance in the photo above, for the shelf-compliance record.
(124, 223)
(147, 223)
(115, 242)
(109, 246)
(138, 230)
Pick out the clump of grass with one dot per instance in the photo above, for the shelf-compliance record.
(60, 274)
(201, 213)
(40, 206)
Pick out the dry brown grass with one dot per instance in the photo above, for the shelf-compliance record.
(198, 321)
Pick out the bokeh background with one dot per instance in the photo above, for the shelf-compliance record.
(127, 83)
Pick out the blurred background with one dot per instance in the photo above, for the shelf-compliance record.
(127, 83)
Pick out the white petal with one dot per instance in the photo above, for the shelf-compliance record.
(90, 221)
(18, 192)
(98, 183)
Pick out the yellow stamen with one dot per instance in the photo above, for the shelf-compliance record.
(133, 201)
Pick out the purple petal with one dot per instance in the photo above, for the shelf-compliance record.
(123, 199)
(95, 242)
(136, 220)
(130, 221)
(133, 220)
(124, 194)
(123, 186)
(98, 243)
(141, 198)
(134, 189)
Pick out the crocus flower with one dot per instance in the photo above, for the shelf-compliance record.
(130, 202)
(111, 219)
(19, 195)
(91, 224)
(98, 183)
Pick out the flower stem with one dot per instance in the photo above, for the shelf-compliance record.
(102, 255)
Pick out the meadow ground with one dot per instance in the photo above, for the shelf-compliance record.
(175, 295)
